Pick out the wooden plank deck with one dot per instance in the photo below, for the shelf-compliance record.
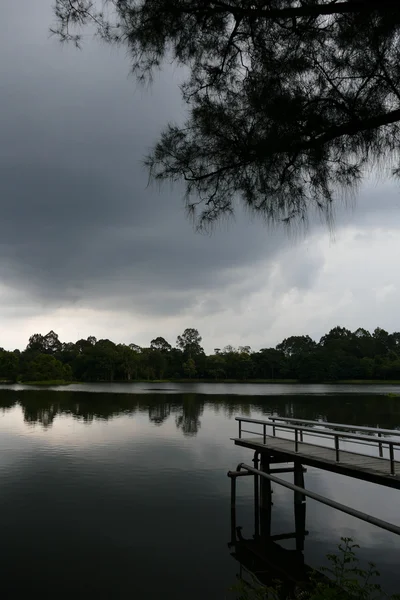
(360, 466)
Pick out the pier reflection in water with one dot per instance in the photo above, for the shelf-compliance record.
(262, 560)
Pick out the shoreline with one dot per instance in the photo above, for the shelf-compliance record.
(219, 381)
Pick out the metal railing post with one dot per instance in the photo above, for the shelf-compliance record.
(296, 440)
(337, 447)
(301, 435)
(240, 429)
(273, 427)
(391, 454)
(264, 433)
(380, 446)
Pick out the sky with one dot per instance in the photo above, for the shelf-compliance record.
(87, 247)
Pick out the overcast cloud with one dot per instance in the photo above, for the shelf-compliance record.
(87, 248)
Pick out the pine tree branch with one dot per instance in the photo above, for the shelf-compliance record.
(315, 10)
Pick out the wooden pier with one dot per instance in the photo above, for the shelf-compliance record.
(297, 446)
(283, 445)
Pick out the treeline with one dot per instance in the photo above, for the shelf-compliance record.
(340, 354)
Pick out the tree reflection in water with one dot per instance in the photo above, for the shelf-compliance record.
(159, 413)
(41, 407)
(189, 419)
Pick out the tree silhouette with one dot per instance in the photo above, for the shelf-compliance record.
(288, 103)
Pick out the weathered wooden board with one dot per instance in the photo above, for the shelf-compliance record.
(352, 464)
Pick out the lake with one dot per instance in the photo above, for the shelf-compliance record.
(121, 490)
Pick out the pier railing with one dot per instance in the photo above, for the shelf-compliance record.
(301, 428)
(243, 469)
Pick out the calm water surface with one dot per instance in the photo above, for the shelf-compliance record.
(120, 491)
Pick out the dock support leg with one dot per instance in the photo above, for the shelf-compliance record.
(233, 510)
(300, 525)
(265, 498)
(298, 480)
(299, 507)
(256, 497)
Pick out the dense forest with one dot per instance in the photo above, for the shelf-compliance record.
(339, 355)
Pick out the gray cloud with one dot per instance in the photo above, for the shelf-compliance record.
(79, 223)
(80, 227)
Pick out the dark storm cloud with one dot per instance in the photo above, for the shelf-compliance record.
(78, 221)
(73, 236)
(79, 225)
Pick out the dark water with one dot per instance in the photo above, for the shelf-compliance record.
(120, 491)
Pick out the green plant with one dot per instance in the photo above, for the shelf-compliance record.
(345, 579)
